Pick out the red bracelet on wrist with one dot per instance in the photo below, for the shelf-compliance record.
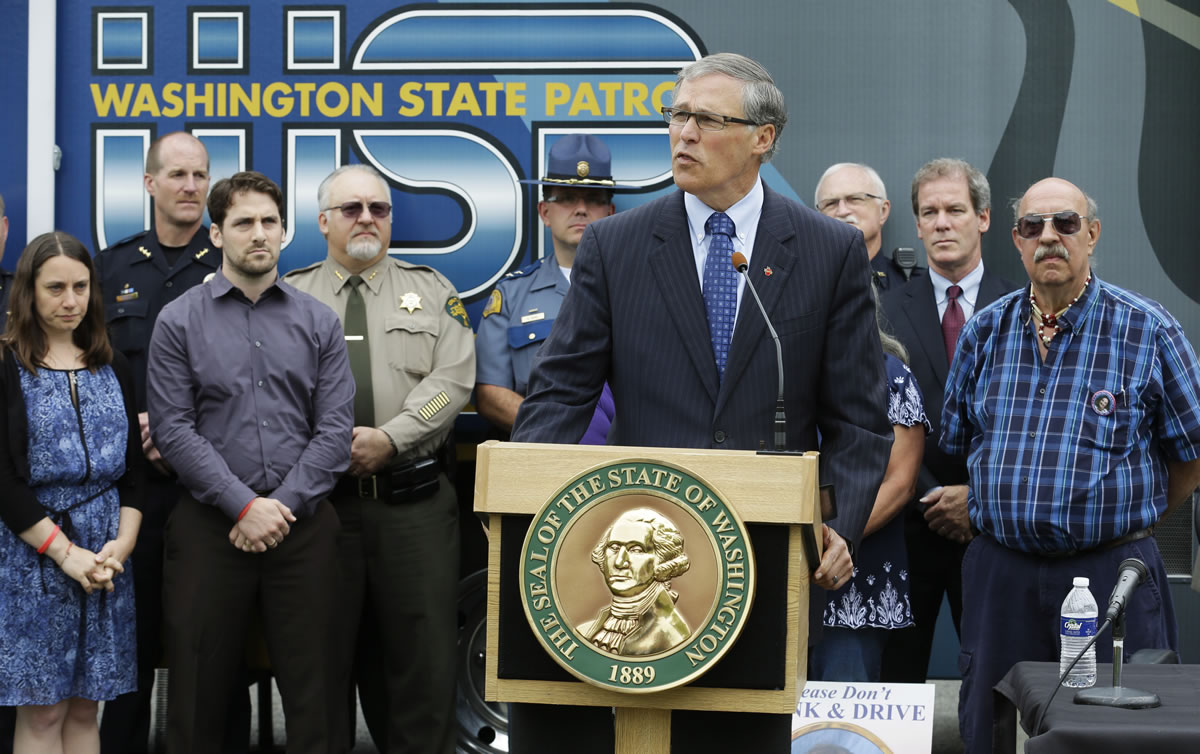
(46, 545)
(245, 510)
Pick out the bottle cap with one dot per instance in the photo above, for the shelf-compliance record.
(1081, 581)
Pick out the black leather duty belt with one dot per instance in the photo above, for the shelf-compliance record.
(410, 482)
(1130, 537)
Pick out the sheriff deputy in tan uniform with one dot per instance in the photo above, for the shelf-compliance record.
(413, 357)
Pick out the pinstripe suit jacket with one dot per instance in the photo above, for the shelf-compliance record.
(635, 317)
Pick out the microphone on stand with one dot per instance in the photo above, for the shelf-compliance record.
(828, 506)
(1131, 573)
(740, 264)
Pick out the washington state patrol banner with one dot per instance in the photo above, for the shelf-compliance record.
(454, 104)
(457, 102)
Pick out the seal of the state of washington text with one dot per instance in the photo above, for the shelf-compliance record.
(637, 576)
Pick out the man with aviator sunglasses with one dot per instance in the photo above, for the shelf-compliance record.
(1078, 405)
(413, 359)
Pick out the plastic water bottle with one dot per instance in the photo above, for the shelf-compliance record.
(1077, 626)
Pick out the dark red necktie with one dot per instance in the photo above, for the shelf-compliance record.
(952, 321)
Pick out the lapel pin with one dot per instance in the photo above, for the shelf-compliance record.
(768, 271)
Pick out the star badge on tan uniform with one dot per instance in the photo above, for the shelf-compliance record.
(410, 301)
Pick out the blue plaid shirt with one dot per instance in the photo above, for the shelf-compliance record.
(1056, 463)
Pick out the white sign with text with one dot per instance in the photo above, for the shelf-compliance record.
(864, 718)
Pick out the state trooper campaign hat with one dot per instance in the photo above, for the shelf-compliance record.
(579, 161)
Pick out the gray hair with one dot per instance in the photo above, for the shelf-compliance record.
(891, 344)
(326, 185)
(762, 101)
(1093, 209)
(880, 190)
(949, 167)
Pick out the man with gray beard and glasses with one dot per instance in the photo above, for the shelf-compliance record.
(413, 357)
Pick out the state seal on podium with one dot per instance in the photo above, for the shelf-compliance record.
(637, 576)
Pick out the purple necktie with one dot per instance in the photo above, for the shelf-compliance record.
(720, 286)
(952, 321)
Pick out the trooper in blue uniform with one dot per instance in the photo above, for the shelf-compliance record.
(576, 191)
(138, 276)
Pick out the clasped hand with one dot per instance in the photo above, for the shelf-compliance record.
(263, 527)
(95, 570)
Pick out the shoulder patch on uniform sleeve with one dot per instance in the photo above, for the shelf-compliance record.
(434, 405)
(493, 304)
(455, 308)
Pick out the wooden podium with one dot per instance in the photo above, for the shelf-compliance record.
(763, 672)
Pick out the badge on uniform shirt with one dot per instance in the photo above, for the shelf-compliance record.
(410, 301)
(493, 304)
(1103, 402)
(127, 293)
(533, 316)
(144, 251)
(455, 309)
(202, 252)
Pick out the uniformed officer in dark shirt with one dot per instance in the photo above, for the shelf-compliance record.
(855, 194)
(577, 191)
(5, 276)
(138, 276)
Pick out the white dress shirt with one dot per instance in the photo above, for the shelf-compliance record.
(968, 297)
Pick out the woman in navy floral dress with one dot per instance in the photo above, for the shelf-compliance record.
(70, 465)
(858, 616)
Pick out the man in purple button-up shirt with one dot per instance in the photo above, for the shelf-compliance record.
(251, 402)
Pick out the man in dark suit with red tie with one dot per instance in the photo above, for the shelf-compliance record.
(952, 204)
(656, 309)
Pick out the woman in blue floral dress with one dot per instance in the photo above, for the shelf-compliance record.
(858, 616)
(70, 466)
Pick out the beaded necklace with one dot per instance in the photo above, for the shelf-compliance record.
(1050, 321)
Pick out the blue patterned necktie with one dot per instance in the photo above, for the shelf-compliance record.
(720, 286)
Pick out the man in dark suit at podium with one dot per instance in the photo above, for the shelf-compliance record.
(952, 204)
(656, 309)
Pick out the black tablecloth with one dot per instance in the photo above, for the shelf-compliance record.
(1172, 728)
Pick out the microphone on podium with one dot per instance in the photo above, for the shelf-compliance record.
(740, 264)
